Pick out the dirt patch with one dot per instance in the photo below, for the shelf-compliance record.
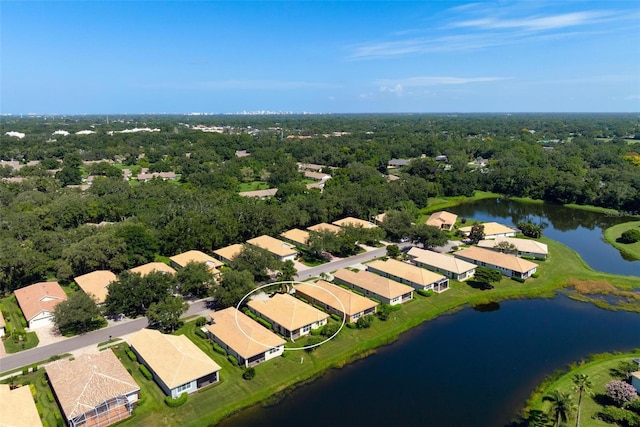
(592, 286)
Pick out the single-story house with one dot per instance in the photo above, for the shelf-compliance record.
(524, 247)
(317, 176)
(447, 265)
(96, 283)
(409, 274)
(493, 230)
(242, 153)
(282, 250)
(395, 163)
(228, 253)
(386, 290)
(261, 194)
(443, 220)
(93, 389)
(288, 315)
(17, 407)
(3, 325)
(353, 222)
(145, 269)
(509, 265)
(392, 178)
(38, 301)
(181, 260)
(323, 226)
(635, 380)
(329, 296)
(296, 236)
(379, 219)
(244, 338)
(318, 185)
(177, 364)
(310, 167)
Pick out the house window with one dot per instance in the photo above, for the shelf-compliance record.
(183, 388)
(306, 328)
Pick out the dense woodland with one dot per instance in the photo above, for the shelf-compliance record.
(584, 159)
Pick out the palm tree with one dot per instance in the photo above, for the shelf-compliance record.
(561, 406)
(582, 384)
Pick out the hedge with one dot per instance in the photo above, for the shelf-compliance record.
(50, 396)
(250, 314)
(200, 334)
(145, 372)
(517, 279)
(264, 323)
(179, 401)
(249, 374)
(233, 360)
(425, 293)
(132, 355)
(351, 325)
(316, 306)
(201, 321)
(219, 349)
(335, 317)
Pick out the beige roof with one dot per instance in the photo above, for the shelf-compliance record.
(174, 358)
(95, 283)
(327, 293)
(229, 252)
(270, 192)
(323, 226)
(89, 380)
(499, 259)
(255, 340)
(297, 236)
(380, 218)
(153, 266)
(43, 296)
(523, 245)
(17, 408)
(2, 323)
(311, 166)
(354, 222)
(437, 219)
(491, 228)
(275, 246)
(316, 175)
(407, 271)
(441, 261)
(288, 311)
(378, 285)
(195, 256)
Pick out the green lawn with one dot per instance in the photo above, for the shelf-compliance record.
(611, 234)
(439, 203)
(281, 374)
(253, 186)
(15, 321)
(599, 371)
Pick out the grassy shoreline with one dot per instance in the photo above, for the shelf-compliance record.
(281, 375)
(611, 234)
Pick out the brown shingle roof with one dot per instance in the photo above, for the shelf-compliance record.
(259, 338)
(95, 283)
(379, 285)
(43, 296)
(17, 408)
(407, 271)
(327, 293)
(488, 256)
(153, 266)
(275, 246)
(288, 311)
(89, 380)
(174, 358)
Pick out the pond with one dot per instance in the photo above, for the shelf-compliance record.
(581, 230)
(471, 368)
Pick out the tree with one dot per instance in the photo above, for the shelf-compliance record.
(195, 278)
(257, 261)
(288, 271)
(561, 406)
(582, 384)
(428, 236)
(487, 276)
(630, 236)
(476, 234)
(530, 230)
(397, 224)
(233, 287)
(506, 247)
(393, 251)
(132, 294)
(624, 369)
(323, 241)
(77, 314)
(166, 313)
(620, 392)
(141, 244)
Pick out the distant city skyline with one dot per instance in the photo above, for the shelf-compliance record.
(181, 57)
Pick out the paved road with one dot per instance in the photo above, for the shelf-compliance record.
(29, 357)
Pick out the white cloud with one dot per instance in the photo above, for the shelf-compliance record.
(538, 23)
(396, 86)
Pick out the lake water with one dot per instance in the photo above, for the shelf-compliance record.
(471, 368)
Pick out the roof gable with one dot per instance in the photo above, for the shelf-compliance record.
(39, 297)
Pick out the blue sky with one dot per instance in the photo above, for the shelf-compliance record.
(99, 57)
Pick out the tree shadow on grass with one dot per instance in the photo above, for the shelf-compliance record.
(479, 285)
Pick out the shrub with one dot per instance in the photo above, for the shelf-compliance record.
(329, 329)
(264, 323)
(302, 299)
(634, 406)
(316, 332)
(249, 374)
(23, 322)
(517, 279)
(336, 317)
(619, 416)
(233, 360)
(219, 349)
(200, 333)
(34, 368)
(179, 401)
(384, 311)
(201, 321)
(351, 325)
(43, 380)
(425, 293)
(313, 341)
(535, 275)
(250, 314)
(319, 308)
(375, 300)
(132, 355)
(630, 236)
(620, 392)
(145, 372)
(25, 371)
(50, 396)
(364, 322)
(396, 307)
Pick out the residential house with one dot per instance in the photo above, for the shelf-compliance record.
(392, 178)
(353, 222)
(386, 290)
(93, 389)
(17, 407)
(441, 158)
(242, 153)
(635, 380)
(310, 167)
(379, 219)
(181, 261)
(145, 269)
(323, 226)
(524, 247)
(396, 163)
(177, 364)
(509, 265)
(3, 325)
(493, 230)
(228, 253)
(96, 283)
(443, 220)
(38, 301)
(296, 236)
(335, 299)
(317, 176)
(282, 250)
(289, 316)
(244, 338)
(447, 265)
(409, 274)
(261, 194)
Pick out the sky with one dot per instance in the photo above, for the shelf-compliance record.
(125, 57)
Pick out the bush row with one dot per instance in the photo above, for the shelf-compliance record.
(179, 401)
(145, 372)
